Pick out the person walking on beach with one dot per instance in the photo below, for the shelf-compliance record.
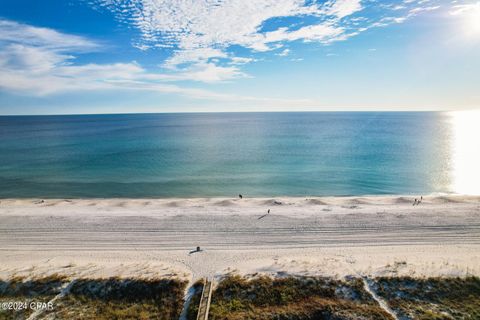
(266, 214)
(240, 196)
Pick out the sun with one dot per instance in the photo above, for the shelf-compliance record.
(469, 17)
(472, 19)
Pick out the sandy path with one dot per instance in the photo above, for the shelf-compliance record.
(379, 300)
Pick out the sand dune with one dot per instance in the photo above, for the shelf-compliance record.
(316, 202)
(334, 235)
(225, 203)
(402, 200)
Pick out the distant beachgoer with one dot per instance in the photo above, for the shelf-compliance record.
(240, 196)
(415, 202)
(268, 211)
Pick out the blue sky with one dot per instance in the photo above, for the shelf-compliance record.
(117, 56)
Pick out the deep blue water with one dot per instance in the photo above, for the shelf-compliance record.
(224, 154)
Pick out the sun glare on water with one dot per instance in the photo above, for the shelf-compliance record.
(466, 152)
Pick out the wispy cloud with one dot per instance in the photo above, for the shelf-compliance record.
(199, 35)
(284, 53)
(40, 61)
(12, 32)
(459, 9)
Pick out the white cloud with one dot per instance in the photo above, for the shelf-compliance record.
(46, 77)
(284, 53)
(320, 33)
(40, 61)
(13, 32)
(201, 32)
(343, 8)
(241, 60)
(205, 72)
(194, 55)
(202, 29)
(198, 33)
(464, 8)
(411, 9)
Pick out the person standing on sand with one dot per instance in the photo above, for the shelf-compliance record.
(240, 196)
(419, 201)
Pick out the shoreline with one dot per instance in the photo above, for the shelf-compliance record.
(283, 200)
(247, 197)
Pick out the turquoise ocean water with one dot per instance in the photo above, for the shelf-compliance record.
(224, 154)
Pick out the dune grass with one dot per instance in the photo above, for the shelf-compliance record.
(291, 298)
(116, 298)
(111, 298)
(431, 298)
(20, 289)
(257, 297)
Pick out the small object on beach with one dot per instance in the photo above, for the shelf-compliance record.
(268, 211)
(240, 196)
(197, 249)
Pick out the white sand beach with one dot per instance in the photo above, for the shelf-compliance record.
(334, 236)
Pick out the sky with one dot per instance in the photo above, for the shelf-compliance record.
(128, 56)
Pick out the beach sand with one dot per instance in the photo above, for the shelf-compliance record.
(330, 236)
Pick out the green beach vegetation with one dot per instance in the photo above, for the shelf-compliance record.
(431, 298)
(19, 292)
(239, 297)
(290, 298)
(112, 298)
(308, 298)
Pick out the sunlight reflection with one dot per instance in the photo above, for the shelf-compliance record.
(466, 152)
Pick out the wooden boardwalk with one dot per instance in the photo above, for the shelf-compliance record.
(204, 305)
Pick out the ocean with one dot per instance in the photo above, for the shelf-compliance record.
(226, 154)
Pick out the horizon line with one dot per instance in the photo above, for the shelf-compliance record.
(261, 111)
